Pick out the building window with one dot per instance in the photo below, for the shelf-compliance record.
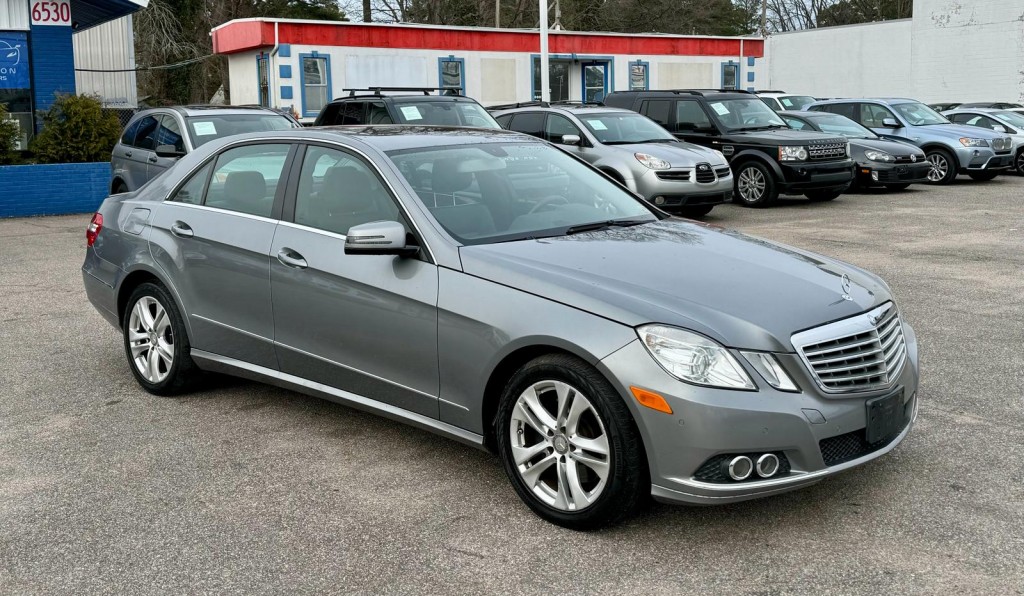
(316, 83)
(730, 75)
(639, 76)
(262, 66)
(452, 74)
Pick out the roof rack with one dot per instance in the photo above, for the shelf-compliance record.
(595, 104)
(521, 104)
(376, 91)
(210, 106)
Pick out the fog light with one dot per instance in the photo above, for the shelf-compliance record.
(659, 200)
(740, 467)
(767, 465)
(874, 176)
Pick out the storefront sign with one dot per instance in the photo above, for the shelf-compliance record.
(13, 60)
(51, 12)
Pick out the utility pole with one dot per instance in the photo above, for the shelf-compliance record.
(366, 11)
(545, 92)
(497, 14)
(764, 18)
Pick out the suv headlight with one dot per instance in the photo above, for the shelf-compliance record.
(694, 358)
(769, 367)
(873, 155)
(792, 153)
(847, 148)
(966, 142)
(652, 162)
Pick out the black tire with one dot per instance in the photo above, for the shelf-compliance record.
(120, 187)
(695, 212)
(820, 196)
(938, 175)
(897, 186)
(626, 478)
(755, 185)
(982, 176)
(1018, 163)
(182, 373)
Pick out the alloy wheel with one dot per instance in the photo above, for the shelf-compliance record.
(751, 185)
(940, 167)
(560, 446)
(1020, 163)
(151, 339)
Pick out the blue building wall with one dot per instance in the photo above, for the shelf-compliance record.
(53, 189)
(53, 64)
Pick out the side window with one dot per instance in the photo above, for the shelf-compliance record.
(337, 191)
(169, 133)
(872, 115)
(351, 113)
(691, 116)
(503, 120)
(559, 126)
(329, 116)
(245, 179)
(773, 103)
(961, 118)
(986, 122)
(532, 123)
(145, 137)
(794, 123)
(128, 138)
(843, 109)
(192, 191)
(377, 113)
(657, 110)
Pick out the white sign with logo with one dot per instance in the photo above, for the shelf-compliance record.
(51, 12)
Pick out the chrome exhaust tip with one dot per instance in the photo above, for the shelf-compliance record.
(740, 467)
(767, 465)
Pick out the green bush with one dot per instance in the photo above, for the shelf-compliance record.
(8, 137)
(76, 130)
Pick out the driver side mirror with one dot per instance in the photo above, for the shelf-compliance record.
(571, 139)
(378, 238)
(168, 151)
(891, 123)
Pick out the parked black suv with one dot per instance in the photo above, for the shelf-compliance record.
(410, 105)
(767, 156)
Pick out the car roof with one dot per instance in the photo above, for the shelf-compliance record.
(218, 110)
(805, 113)
(403, 97)
(882, 100)
(715, 93)
(391, 137)
(576, 109)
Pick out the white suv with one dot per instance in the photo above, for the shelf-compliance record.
(780, 101)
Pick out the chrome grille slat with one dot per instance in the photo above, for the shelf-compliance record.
(861, 353)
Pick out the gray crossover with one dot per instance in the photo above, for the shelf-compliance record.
(636, 151)
(489, 287)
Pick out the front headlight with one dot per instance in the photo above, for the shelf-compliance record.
(966, 142)
(694, 358)
(873, 155)
(792, 153)
(768, 366)
(847, 149)
(720, 155)
(652, 162)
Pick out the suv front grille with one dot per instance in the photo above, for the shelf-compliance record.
(862, 353)
(1002, 145)
(675, 175)
(723, 172)
(705, 175)
(830, 150)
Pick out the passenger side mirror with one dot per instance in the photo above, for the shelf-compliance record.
(891, 123)
(378, 238)
(168, 151)
(571, 139)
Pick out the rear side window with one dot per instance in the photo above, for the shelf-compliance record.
(145, 137)
(329, 115)
(531, 123)
(192, 191)
(503, 120)
(657, 110)
(245, 179)
(843, 109)
(128, 138)
(351, 113)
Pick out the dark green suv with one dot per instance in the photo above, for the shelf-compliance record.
(766, 155)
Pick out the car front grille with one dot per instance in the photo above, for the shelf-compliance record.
(705, 174)
(861, 353)
(723, 172)
(715, 469)
(910, 159)
(675, 175)
(825, 151)
(1002, 145)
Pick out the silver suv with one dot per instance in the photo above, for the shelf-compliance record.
(636, 151)
(1008, 121)
(156, 138)
(951, 148)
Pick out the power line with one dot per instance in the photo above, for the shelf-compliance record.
(160, 67)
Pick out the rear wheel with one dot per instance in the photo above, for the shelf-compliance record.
(755, 185)
(897, 186)
(982, 176)
(695, 212)
(943, 166)
(156, 343)
(120, 187)
(569, 445)
(820, 196)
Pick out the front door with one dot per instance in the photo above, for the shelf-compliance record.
(558, 79)
(595, 81)
(365, 324)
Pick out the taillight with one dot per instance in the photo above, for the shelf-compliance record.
(94, 229)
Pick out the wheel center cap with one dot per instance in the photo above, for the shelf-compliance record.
(560, 443)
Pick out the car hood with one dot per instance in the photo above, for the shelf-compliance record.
(784, 136)
(953, 131)
(680, 155)
(896, 148)
(742, 291)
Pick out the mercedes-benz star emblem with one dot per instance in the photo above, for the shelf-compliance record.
(846, 287)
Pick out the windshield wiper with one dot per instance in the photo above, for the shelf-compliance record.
(601, 225)
(765, 127)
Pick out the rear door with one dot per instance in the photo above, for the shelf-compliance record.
(213, 237)
(144, 152)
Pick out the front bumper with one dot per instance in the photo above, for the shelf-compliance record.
(683, 193)
(871, 173)
(805, 176)
(977, 159)
(709, 422)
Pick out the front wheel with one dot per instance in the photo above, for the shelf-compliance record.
(983, 176)
(755, 185)
(569, 445)
(943, 166)
(156, 343)
(820, 196)
(1018, 164)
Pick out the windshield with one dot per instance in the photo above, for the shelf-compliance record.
(619, 129)
(796, 102)
(486, 193)
(841, 125)
(745, 114)
(444, 113)
(206, 128)
(1012, 118)
(918, 114)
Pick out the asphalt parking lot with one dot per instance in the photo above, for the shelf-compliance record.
(248, 488)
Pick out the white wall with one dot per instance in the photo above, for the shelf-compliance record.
(110, 46)
(14, 15)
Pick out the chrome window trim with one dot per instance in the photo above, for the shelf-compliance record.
(227, 212)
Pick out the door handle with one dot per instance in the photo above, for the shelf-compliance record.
(181, 230)
(127, 153)
(152, 159)
(290, 258)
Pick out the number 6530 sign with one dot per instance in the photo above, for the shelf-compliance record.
(51, 12)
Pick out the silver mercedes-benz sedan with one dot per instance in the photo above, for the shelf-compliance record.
(489, 287)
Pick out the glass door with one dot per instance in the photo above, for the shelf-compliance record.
(595, 81)
(558, 79)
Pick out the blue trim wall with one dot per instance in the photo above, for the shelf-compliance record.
(610, 72)
(462, 71)
(302, 81)
(53, 189)
(583, 78)
(738, 74)
(53, 64)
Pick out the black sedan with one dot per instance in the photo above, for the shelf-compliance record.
(880, 161)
